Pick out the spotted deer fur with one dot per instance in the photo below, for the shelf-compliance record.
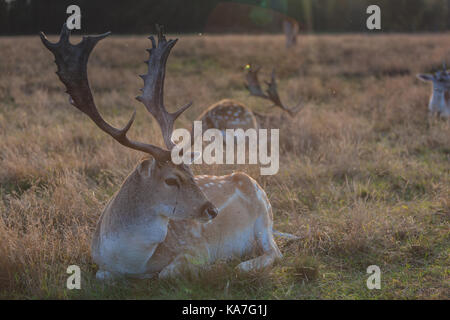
(228, 114)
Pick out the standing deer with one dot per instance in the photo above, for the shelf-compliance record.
(290, 27)
(163, 218)
(439, 104)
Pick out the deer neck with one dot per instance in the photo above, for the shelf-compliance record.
(133, 210)
(131, 228)
(440, 99)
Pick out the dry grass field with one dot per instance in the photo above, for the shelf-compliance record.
(364, 174)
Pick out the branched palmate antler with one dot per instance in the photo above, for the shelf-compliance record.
(72, 61)
(153, 92)
(254, 87)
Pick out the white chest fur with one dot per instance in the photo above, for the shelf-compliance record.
(127, 251)
(440, 102)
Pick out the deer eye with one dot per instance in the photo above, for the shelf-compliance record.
(172, 182)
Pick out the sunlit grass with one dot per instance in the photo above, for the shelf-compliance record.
(364, 175)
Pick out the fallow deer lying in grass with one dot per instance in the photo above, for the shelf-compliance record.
(439, 104)
(230, 114)
(163, 218)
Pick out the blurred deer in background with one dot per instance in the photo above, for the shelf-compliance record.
(162, 218)
(439, 104)
(254, 87)
(291, 28)
(230, 114)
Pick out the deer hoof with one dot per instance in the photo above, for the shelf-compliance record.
(103, 275)
(245, 266)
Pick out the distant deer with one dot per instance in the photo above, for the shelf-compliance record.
(230, 114)
(290, 27)
(254, 87)
(439, 104)
(163, 218)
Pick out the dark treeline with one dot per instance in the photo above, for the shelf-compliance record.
(188, 16)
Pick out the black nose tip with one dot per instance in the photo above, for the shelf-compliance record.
(210, 211)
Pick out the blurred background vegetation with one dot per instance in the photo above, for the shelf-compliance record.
(215, 16)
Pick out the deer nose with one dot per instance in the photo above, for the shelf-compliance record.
(210, 211)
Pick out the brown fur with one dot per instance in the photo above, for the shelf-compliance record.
(228, 114)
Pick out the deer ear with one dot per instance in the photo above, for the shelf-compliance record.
(425, 77)
(145, 167)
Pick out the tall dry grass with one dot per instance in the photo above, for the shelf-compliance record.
(364, 175)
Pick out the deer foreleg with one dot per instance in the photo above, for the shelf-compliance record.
(183, 263)
(271, 253)
(259, 263)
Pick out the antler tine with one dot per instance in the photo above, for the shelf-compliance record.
(272, 92)
(153, 92)
(253, 85)
(71, 61)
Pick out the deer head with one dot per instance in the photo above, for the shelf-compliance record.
(440, 79)
(254, 87)
(157, 186)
